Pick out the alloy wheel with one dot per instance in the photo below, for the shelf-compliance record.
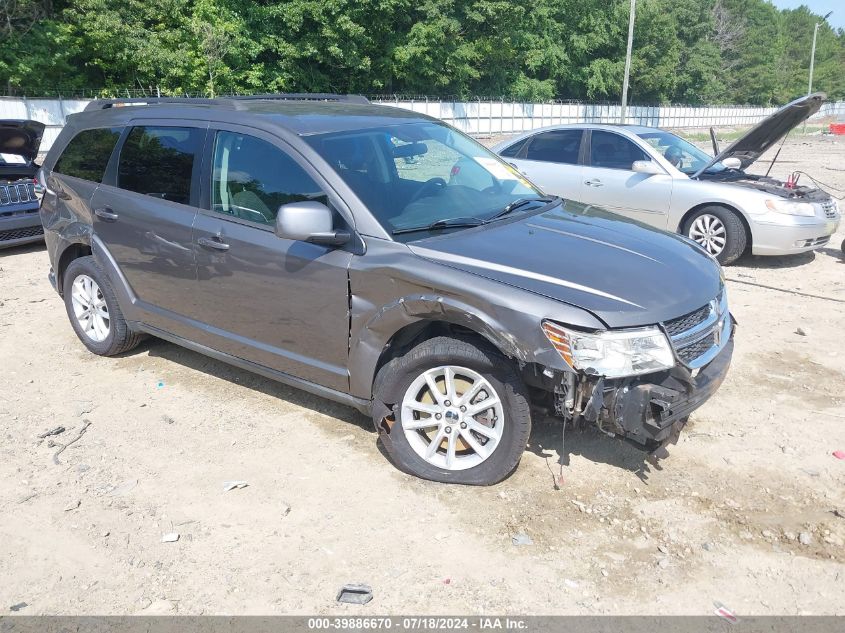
(452, 417)
(709, 231)
(90, 309)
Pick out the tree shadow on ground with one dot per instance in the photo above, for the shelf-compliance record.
(158, 348)
(22, 249)
(774, 262)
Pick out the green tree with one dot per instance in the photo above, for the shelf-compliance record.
(693, 51)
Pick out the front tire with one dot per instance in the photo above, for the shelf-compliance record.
(719, 231)
(459, 412)
(93, 310)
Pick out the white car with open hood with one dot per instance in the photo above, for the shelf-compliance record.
(653, 176)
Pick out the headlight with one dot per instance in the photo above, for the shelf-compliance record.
(791, 208)
(612, 353)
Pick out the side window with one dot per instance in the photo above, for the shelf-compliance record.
(557, 146)
(613, 151)
(88, 153)
(159, 161)
(513, 150)
(253, 178)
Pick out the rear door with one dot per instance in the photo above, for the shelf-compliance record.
(144, 213)
(552, 161)
(78, 172)
(280, 303)
(610, 182)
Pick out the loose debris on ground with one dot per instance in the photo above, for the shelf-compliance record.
(355, 594)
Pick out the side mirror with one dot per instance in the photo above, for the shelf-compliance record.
(732, 162)
(309, 221)
(647, 167)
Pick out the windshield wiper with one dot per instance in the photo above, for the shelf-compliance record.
(448, 223)
(518, 204)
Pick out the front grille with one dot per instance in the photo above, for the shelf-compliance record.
(697, 334)
(19, 234)
(829, 209)
(17, 193)
(678, 326)
(695, 350)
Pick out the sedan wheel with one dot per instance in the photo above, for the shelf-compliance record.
(90, 309)
(709, 231)
(452, 417)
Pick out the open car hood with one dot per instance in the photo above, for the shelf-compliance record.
(753, 144)
(20, 137)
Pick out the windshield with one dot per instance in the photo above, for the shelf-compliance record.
(417, 174)
(685, 156)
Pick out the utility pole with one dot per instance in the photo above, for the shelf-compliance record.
(813, 53)
(628, 60)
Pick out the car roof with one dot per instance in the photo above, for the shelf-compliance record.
(631, 129)
(301, 117)
(626, 127)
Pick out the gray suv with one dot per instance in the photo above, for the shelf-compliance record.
(382, 259)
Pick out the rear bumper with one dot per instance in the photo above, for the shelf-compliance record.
(779, 234)
(20, 227)
(646, 409)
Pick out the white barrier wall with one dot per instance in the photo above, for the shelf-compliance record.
(51, 112)
(479, 118)
(490, 118)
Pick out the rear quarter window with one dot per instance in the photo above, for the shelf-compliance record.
(513, 150)
(88, 153)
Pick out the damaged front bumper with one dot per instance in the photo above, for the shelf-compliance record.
(648, 410)
(645, 410)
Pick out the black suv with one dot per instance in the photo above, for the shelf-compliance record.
(380, 258)
(19, 192)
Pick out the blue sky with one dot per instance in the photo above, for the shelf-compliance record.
(820, 7)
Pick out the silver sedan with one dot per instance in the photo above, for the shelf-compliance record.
(658, 178)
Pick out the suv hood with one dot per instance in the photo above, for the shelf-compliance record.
(624, 272)
(21, 137)
(754, 143)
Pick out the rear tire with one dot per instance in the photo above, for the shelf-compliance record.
(719, 231)
(473, 430)
(93, 310)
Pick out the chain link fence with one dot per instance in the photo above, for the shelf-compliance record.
(482, 117)
(500, 117)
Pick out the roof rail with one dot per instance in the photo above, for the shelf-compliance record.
(103, 104)
(303, 96)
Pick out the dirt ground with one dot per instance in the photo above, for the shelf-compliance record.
(747, 511)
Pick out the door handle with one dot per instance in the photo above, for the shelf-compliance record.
(594, 183)
(106, 214)
(213, 243)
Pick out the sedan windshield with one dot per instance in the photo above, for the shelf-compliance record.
(416, 178)
(685, 156)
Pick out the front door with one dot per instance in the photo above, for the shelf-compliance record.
(144, 214)
(610, 182)
(281, 303)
